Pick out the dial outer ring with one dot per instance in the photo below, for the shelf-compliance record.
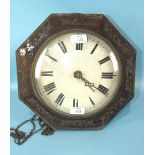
(40, 51)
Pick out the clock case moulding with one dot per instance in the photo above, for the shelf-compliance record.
(55, 23)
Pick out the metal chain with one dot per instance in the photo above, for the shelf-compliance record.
(20, 137)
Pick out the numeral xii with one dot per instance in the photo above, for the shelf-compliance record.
(79, 46)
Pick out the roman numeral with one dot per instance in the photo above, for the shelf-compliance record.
(47, 73)
(60, 99)
(62, 46)
(79, 46)
(49, 88)
(51, 57)
(75, 102)
(103, 89)
(104, 60)
(108, 75)
(91, 101)
(94, 48)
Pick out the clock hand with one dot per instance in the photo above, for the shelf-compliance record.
(87, 83)
(78, 75)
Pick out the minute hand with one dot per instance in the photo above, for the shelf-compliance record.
(87, 83)
(78, 75)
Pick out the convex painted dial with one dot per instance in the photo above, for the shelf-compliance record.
(76, 73)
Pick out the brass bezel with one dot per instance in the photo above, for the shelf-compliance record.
(67, 115)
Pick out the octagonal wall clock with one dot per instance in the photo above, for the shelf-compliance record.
(76, 71)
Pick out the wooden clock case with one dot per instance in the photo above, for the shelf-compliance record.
(54, 24)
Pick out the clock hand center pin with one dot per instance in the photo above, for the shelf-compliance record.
(78, 74)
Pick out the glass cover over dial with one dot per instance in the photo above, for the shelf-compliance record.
(76, 73)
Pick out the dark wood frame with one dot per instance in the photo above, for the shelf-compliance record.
(54, 24)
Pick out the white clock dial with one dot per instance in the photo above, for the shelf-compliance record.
(76, 73)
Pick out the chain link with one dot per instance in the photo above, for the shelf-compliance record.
(20, 137)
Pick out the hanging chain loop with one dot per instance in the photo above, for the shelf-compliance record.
(20, 137)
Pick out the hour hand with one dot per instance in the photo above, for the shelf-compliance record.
(78, 75)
